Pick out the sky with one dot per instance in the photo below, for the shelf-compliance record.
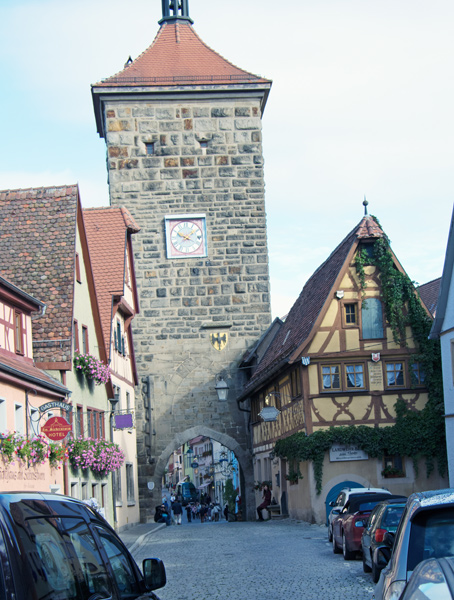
(361, 106)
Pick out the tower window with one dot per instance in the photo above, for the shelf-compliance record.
(203, 146)
(150, 149)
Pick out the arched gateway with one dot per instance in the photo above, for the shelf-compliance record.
(184, 154)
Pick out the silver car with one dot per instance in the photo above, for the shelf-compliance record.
(426, 530)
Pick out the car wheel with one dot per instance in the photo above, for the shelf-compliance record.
(348, 554)
(375, 573)
(336, 548)
(366, 567)
(330, 534)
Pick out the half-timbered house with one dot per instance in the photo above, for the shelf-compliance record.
(334, 362)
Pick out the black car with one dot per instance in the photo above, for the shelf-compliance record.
(385, 517)
(57, 548)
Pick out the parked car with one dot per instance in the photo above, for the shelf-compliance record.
(348, 526)
(342, 498)
(385, 517)
(57, 548)
(426, 530)
(432, 578)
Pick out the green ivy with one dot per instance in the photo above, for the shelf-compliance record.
(418, 434)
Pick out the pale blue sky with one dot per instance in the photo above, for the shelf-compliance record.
(361, 104)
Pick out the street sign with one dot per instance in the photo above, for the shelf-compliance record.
(194, 465)
(269, 413)
(56, 428)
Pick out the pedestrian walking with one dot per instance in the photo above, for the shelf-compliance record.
(177, 510)
(226, 511)
(266, 501)
(189, 512)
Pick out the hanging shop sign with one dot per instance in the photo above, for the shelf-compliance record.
(56, 428)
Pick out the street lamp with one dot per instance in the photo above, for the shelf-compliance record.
(222, 389)
(113, 404)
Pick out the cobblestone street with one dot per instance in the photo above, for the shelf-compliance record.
(275, 560)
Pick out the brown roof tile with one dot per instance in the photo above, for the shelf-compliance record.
(304, 313)
(178, 56)
(27, 371)
(106, 230)
(428, 293)
(37, 250)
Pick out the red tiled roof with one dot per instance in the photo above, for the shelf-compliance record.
(37, 250)
(28, 372)
(428, 293)
(304, 313)
(178, 56)
(106, 233)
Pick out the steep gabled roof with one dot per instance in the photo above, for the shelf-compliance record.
(107, 230)
(37, 252)
(428, 293)
(445, 285)
(306, 311)
(178, 57)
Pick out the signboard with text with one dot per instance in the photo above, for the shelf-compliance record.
(56, 428)
(344, 452)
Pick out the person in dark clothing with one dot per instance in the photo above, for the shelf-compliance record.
(177, 511)
(266, 501)
(189, 512)
(161, 515)
(226, 511)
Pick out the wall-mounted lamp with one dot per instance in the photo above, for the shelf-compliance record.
(222, 389)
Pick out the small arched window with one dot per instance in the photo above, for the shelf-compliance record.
(372, 318)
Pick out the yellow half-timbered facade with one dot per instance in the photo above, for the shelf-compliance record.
(334, 362)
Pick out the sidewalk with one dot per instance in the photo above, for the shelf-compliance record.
(137, 535)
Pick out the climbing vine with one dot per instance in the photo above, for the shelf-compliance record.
(418, 434)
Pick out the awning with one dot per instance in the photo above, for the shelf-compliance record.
(204, 485)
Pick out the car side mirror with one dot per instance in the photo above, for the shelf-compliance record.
(154, 573)
(359, 523)
(382, 556)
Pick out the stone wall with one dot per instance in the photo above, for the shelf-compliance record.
(167, 158)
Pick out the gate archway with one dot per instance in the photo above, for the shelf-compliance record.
(243, 456)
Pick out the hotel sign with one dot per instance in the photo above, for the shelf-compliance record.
(344, 452)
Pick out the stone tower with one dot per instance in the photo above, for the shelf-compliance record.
(182, 127)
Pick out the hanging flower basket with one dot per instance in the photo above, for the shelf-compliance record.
(35, 450)
(92, 368)
(100, 456)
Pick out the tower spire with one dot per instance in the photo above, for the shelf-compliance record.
(175, 10)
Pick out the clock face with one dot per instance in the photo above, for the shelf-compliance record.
(186, 236)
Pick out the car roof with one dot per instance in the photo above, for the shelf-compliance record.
(357, 500)
(363, 490)
(430, 499)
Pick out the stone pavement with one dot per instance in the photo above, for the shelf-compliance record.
(278, 559)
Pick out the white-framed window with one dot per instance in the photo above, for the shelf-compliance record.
(84, 495)
(3, 421)
(19, 423)
(74, 489)
(118, 498)
(34, 420)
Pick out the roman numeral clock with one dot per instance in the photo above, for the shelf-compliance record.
(186, 236)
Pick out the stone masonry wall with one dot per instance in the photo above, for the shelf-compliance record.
(183, 301)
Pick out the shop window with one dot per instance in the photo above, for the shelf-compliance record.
(372, 318)
(395, 374)
(331, 377)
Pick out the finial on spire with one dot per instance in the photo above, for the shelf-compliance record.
(365, 204)
(173, 10)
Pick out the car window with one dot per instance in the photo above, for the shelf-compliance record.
(431, 536)
(122, 568)
(373, 517)
(62, 556)
(392, 516)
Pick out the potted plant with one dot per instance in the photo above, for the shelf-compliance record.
(392, 472)
(98, 455)
(92, 368)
